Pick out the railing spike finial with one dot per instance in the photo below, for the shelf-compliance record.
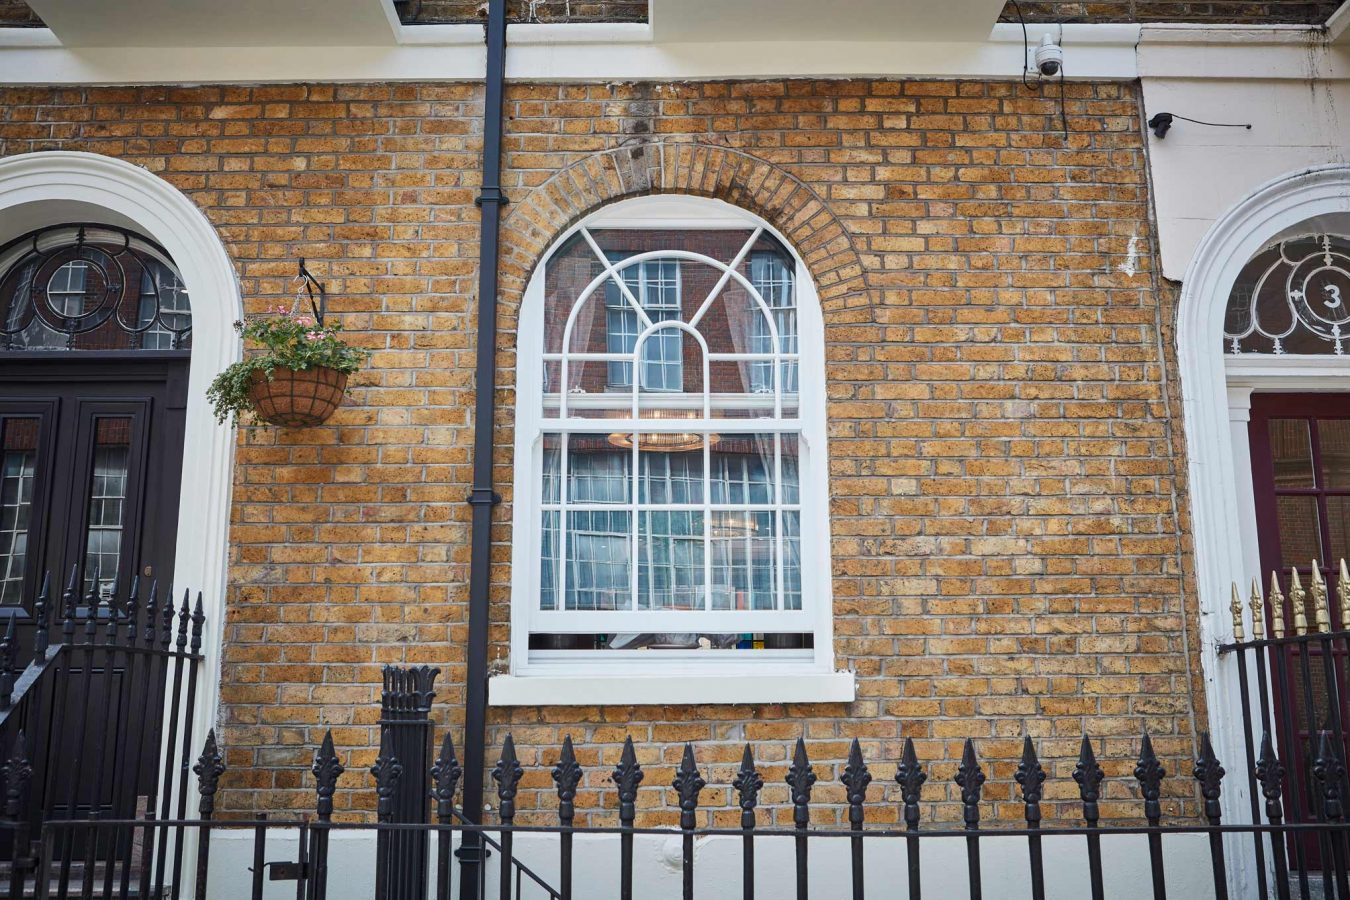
(748, 784)
(1298, 600)
(910, 776)
(1235, 607)
(627, 776)
(800, 778)
(18, 772)
(166, 620)
(208, 769)
(1088, 773)
(184, 616)
(387, 771)
(198, 620)
(1329, 771)
(92, 602)
(507, 773)
(327, 767)
(687, 783)
(41, 614)
(970, 778)
(1270, 773)
(1276, 606)
(1150, 774)
(69, 601)
(151, 614)
(567, 776)
(1343, 596)
(9, 658)
(1321, 610)
(856, 778)
(114, 612)
(133, 609)
(445, 774)
(1209, 773)
(1257, 605)
(1030, 775)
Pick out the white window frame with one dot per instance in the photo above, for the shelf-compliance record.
(563, 677)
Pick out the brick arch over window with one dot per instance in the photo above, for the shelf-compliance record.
(535, 220)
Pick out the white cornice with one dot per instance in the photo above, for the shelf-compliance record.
(552, 52)
(564, 53)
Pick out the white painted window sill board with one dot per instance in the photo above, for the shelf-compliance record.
(634, 690)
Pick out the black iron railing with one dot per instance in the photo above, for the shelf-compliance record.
(309, 863)
(96, 728)
(1293, 694)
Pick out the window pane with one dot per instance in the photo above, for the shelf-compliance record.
(1300, 535)
(17, 470)
(742, 469)
(792, 558)
(671, 477)
(1333, 438)
(107, 500)
(743, 552)
(598, 560)
(1291, 452)
(670, 560)
(548, 560)
(1338, 524)
(598, 471)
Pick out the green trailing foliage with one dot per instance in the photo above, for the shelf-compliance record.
(279, 340)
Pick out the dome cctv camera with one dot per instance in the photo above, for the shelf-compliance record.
(1049, 57)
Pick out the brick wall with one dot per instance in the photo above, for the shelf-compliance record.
(1005, 453)
(1246, 12)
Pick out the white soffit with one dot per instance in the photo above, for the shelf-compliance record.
(812, 20)
(218, 23)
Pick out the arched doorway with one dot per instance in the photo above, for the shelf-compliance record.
(1244, 372)
(136, 226)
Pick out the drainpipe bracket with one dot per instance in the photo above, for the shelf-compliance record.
(491, 195)
(484, 497)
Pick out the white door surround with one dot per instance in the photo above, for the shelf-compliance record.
(1216, 392)
(49, 187)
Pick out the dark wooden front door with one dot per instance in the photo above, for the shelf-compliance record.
(91, 452)
(1300, 447)
(91, 458)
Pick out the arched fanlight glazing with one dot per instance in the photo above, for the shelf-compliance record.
(1292, 297)
(91, 287)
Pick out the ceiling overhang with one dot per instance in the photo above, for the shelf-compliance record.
(812, 20)
(220, 23)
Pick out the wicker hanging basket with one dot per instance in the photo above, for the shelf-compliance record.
(297, 399)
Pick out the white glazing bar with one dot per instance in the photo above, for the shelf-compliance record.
(664, 620)
(563, 488)
(726, 276)
(617, 277)
(779, 601)
(576, 506)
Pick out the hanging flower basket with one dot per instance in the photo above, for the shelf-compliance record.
(294, 372)
(296, 398)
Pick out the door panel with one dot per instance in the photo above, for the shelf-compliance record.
(1300, 447)
(89, 434)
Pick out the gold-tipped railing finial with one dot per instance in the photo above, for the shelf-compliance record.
(1258, 617)
(1236, 608)
(1298, 600)
(1276, 606)
(1343, 597)
(1321, 609)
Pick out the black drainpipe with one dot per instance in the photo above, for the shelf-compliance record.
(483, 498)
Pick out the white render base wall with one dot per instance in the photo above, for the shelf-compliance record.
(717, 867)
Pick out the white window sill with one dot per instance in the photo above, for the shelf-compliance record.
(665, 689)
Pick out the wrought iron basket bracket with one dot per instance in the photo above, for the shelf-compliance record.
(318, 297)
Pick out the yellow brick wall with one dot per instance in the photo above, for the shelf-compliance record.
(1009, 552)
